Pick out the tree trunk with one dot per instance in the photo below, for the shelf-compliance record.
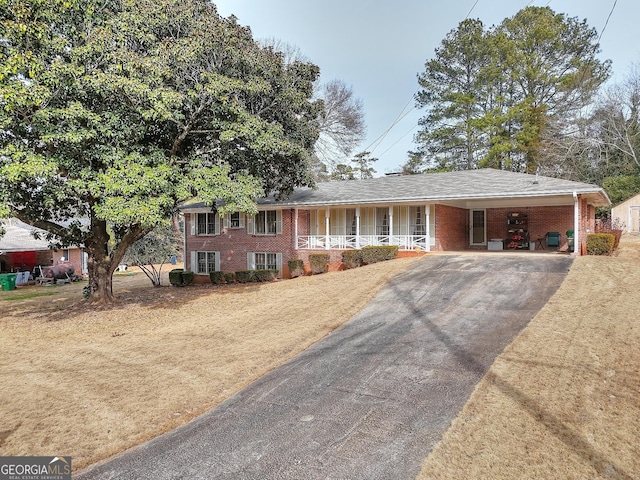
(101, 280)
(102, 263)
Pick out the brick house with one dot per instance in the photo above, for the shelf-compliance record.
(21, 251)
(466, 210)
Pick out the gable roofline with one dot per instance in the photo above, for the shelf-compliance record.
(466, 185)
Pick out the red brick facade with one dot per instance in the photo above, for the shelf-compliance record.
(451, 233)
(452, 228)
(234, 243)
(540, 221)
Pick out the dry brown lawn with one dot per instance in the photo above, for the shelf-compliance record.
(563, 400)
(86, 382)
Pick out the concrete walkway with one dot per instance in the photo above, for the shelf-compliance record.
(372, 399)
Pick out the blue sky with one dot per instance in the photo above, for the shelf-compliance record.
(379, 47)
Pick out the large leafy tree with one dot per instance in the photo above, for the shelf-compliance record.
(494, 96)
(114, 111)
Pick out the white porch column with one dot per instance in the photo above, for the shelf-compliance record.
(390, 225)
(576, 225)
(327, 213)
(427, 229)
(295, 226)
(357, 227)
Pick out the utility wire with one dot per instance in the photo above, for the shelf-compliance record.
(394, 143)
(376, 143)
(474, 6)
(607, 22)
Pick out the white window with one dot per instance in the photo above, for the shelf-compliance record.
(382, 221)
(351, 221)
(234, 220)
(264, 261)
(205, 262)
(205, 224)
(417, 221)
(266, 222)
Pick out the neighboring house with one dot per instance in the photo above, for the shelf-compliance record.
(627, 214)
(465, 210)
(20, 251)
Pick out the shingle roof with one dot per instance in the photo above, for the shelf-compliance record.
(449, 186)
(19, 238)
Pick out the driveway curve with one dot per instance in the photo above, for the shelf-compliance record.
(371, 399)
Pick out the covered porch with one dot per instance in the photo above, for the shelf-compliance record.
(409, 227)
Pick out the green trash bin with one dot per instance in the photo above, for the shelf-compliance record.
(11, 280)
(4, 281)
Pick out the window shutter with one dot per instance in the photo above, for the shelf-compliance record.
(227, 221)
(279, 263)
(217, 261)
(193, 266)
(251, 261)
(278, 222)
(194, 220)
(216, 224)
(242, 215)
(251, 225)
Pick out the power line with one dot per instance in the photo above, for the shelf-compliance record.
(376, 143)
(474, 6)
(397, 141)
(607, 22)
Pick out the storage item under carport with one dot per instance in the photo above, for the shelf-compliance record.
(553, 239)
(570, 239)
(495, 244)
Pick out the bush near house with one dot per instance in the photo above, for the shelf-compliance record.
(600, 243)
(265, 275)
(244, 276)
(379, 254)
(179, 277)
(296, 267)
(352, 258)
(175, 277)
(319, 263)
(230, 277)
(217, 277)
(187, 277)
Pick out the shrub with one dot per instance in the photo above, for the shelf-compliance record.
(352, 258)
(216, 278)
(600, 243)
(379, 253)
(230, 277)
(187, 277)
(265, 275)
(244, 276)
(296, 267)
(175, 277)
(319, 263)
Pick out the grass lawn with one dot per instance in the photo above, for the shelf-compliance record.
(560, 402)
(563, 400)
(89, 383)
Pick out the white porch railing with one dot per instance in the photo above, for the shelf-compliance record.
(346, 242)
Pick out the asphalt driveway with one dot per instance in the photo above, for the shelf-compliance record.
(372, 399)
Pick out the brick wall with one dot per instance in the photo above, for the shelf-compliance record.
(541, 220)
(234, 244)
(452, 228)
